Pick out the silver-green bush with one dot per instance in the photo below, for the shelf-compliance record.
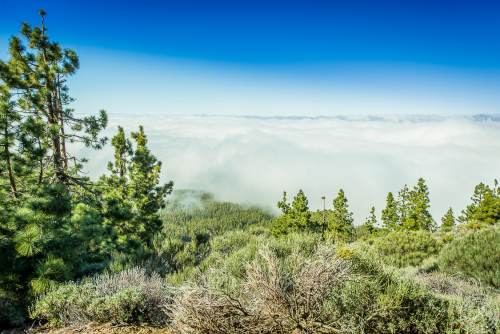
(131, 296)
(318, 293)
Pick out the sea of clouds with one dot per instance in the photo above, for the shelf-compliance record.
(253, 159)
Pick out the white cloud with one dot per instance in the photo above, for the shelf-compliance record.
(253, 159)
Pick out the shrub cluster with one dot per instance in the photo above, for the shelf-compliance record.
(321, 293)
(475, 308)
(403, 248)
(131, 296)
(475, 255)
(294, 284)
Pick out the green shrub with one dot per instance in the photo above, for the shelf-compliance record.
(474, 308)
(476, 255)
(406, 248)
(311, 293)
(128, 297)
(234, 250)
(128, 305)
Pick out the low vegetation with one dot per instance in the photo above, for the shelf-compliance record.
(407, 248)
(131, 296)
(475, 255)
(247, 280)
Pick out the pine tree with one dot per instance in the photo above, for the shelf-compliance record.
(296, 216)
(43, 235)
(341, 222)
(488, 210)
(300, 211)
(403, 204)
(132, 195)
(146, 192)
(55, 224)
(38, 69)
(390, 216)
(418, 216)
(283, 204)
(448, 221)
(123, 151)
(485, 206)
(40, 244)
(371, 221)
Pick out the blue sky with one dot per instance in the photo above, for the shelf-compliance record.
(277, 57)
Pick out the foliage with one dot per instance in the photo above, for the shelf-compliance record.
(128, 297)
(38, 70)
(411, 209)
(390, 216)
(340, 226)
(485, 206)
(193, 221)
(474, 255)
(55, 223)
(132, 195)
(315, 293)
(448, 221)
(371, 221)
(296, 216)
(10, 311)
(239, 268)
(403, 248)
(474, 308)
(417, 215)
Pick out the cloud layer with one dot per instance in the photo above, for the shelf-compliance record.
(253, 159)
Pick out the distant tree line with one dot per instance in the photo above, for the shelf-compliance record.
(409, 210)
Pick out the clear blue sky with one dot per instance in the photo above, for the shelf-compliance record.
(403, 49)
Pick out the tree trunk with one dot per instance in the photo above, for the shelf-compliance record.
(12, 180)
(40, 172)
(61, 124)
(53, 118)
(56, 141)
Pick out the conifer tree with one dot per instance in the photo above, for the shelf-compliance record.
(40, 243)
(283, 204)
(341, 222)
(146, 192)
(55, 224)
(123, 151)
(403, 204)
(485, 206)
(448, 221)
(300, 211)
(38, 69)
(132, 195)
(418, 214)
(390, 217)
(296, 216)
(371, 221)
